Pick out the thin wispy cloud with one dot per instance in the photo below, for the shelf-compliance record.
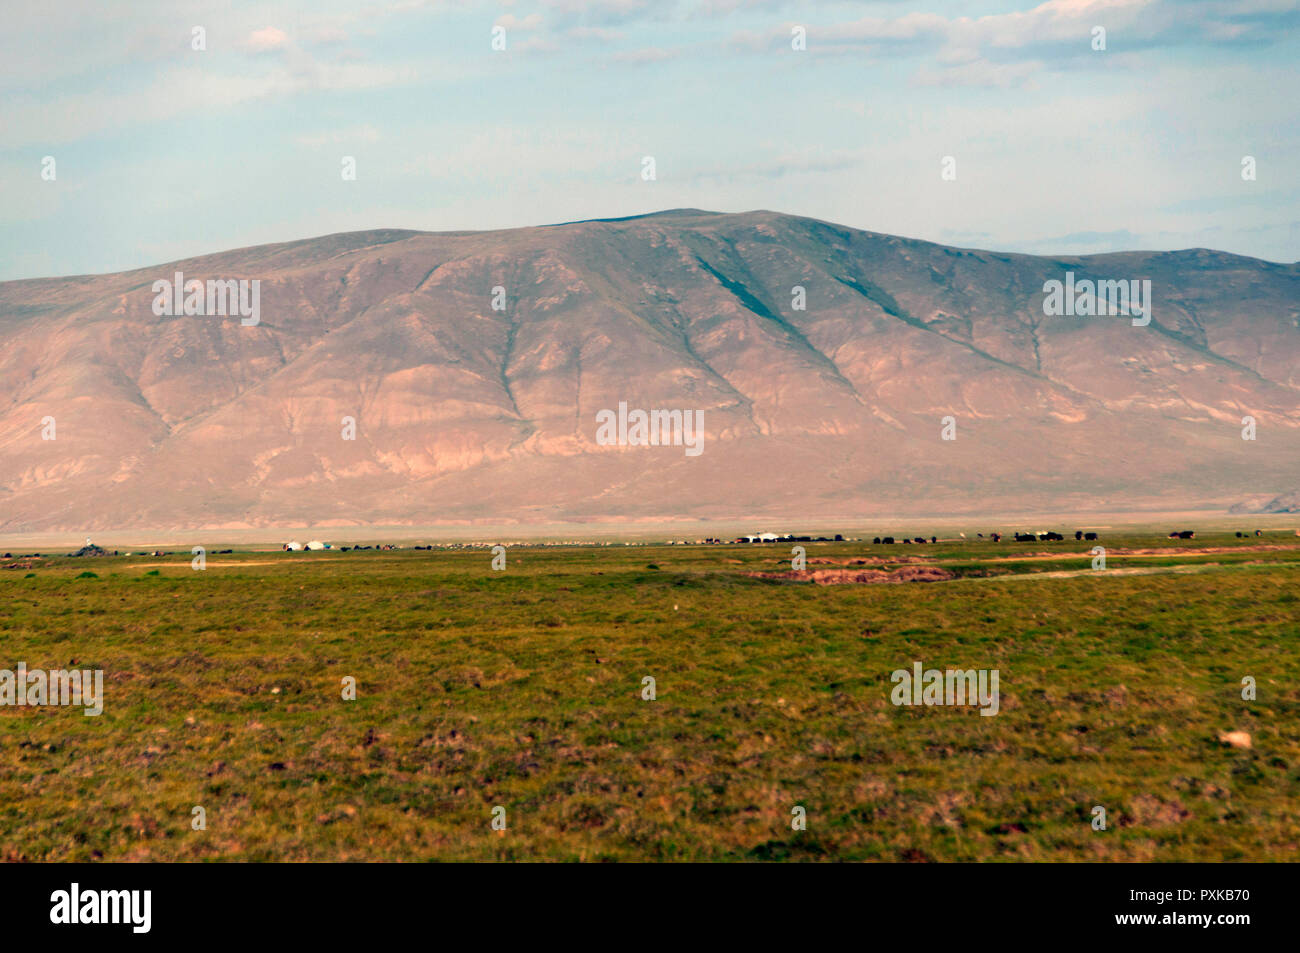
(1051, 135)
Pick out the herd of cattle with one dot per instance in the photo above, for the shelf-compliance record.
(997, 537)
(1031, 537)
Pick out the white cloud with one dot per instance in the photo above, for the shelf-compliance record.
(634, 57)
(267, 39)
(604, 34)
(979, 73)
(179, 91)
(352, 134)
(512, 22)
(1005, 49)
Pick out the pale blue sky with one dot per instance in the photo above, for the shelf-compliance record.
(164, 152)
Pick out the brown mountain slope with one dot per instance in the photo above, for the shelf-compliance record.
(467, 413)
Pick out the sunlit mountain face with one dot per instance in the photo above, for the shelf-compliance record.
(397, 377)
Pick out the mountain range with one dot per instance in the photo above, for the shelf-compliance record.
(827, 366)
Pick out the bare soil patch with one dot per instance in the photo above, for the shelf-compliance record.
(835, 577)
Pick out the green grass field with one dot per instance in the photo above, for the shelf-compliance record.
(523, 689)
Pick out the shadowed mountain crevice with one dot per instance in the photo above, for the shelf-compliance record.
(1195, 343)
(883, 300)
(682, 326)
(886, 303)
(754, 304)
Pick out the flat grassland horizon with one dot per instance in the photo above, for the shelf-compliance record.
(1156, 522)
(522, 689)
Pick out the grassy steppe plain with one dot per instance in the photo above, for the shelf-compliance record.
(523, 688)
